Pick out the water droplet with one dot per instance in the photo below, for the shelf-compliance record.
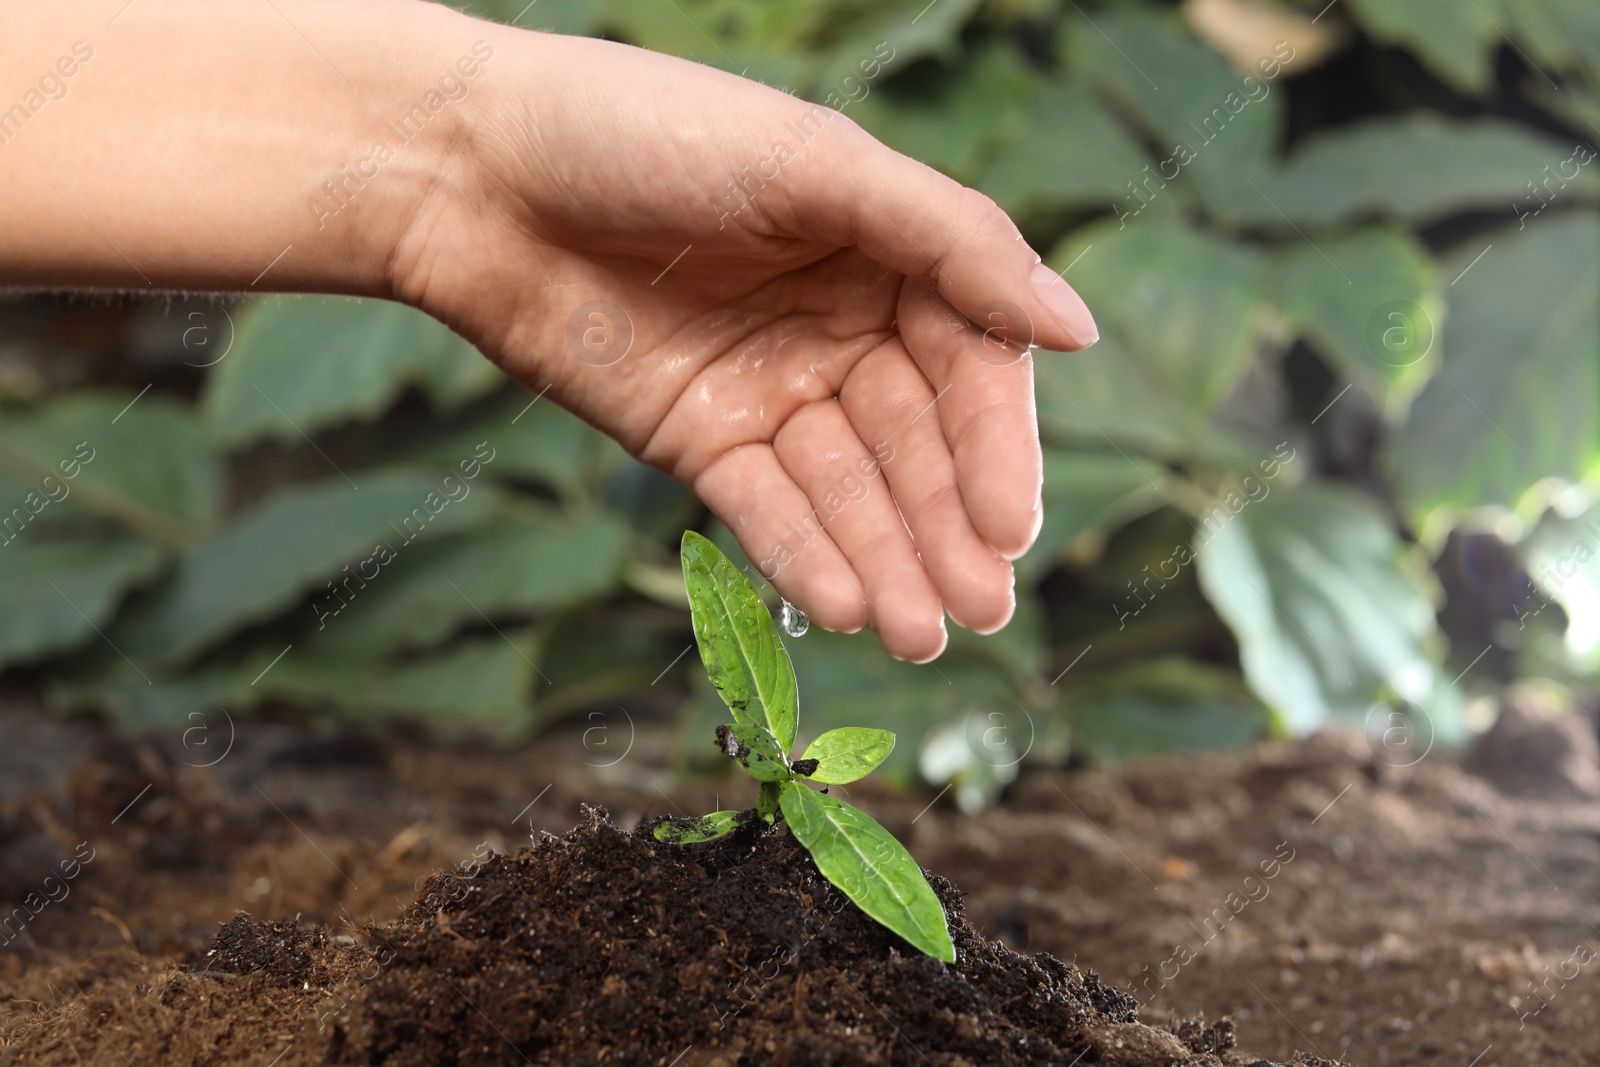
(795, 622)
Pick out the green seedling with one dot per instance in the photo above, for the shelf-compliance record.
(747, 663)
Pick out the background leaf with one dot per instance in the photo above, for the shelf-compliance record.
(1086, 492)
(957, 127)
(1327, 617)
(533, 439)
(1178, 315)
(300, 365)
(289, 546)
(1342, 294)
(479, 684)
(1517, 398)
(537, 560)
(1563, 556)
(1071, 153)
(1420, 168)
(55, 595)
(1214, 127)
(1162, 706)
(148, 467)
(1451, 38)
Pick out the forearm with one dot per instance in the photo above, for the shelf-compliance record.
(278, 145)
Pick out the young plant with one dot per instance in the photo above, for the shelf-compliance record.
(746, 662)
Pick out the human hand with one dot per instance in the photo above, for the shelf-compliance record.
(798, 344)
(777, 343)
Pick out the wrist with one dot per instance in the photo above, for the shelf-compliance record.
(412, 150)
(474, 196)
(409, 148)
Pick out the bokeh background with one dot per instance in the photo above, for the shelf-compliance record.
(1336, 456)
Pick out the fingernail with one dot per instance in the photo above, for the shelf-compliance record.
(1006, 619)
(1071, 313)
(1035, 525)
(944, 641)
(1038, 522)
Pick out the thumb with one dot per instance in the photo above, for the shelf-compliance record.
(911, 218)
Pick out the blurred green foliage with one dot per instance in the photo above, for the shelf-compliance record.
(1345, 260)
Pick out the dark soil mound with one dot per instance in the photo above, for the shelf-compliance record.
(606, 946)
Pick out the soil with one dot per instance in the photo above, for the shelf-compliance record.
(312, 898)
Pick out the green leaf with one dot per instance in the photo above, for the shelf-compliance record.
(1453, 39)
(1186, 305)
(1179, 316)
(727, 34)
(1560, 38)
(303, 364)
(56, 595)
(739, 644)
(539, 560)
(532, 439)
(1214, 127)
(143, 702)
(956, 127)
(1163, 705)
(851, 680)
(897, 35)
(756, 750)
(477, 684)
(1421, 169)
(46, 512)
(1329, 613)
(143, 466)
(596, 653)
(1072, 154)
(848, 753)
(1562, 33)
(569, 16)
(697, 831)
(1563, 559)
(1371, 302)
(296, 542)
(1087, 492)
(652, 503)
(1020, 649)
(1517, 399)
(870, 867)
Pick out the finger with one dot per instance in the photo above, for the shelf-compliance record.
(912, 218)
(986, 411)
(775, 525)
(821, 452)
(890, 404)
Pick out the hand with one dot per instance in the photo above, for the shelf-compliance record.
(754, 295)
(789, 299)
